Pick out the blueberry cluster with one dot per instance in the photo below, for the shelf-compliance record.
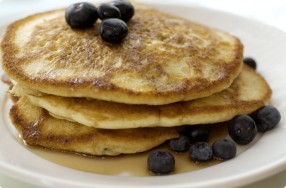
(201, 150)
(193, 139)
(243, 128)
(114, 15)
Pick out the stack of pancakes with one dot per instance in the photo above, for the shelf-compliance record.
(77, 93)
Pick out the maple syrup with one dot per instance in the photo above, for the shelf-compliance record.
(126, 165)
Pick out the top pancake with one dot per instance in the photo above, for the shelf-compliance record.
(164, 59)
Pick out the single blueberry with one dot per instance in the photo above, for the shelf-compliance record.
(242, 129)
(160, 162)
(224, 149)
(200, 151)
(80, 15)
(113, 30)
(250, 62)
(106, 10)
(266, 118)
(126, 9)
(180, 144)
(198, 133)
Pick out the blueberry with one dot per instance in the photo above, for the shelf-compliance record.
(160, 162)
(113, 30)
(242, 129)
(198, 133)
(126, 9)
(266, 118)
(80, 15)
(224, 149)
(200, 151)
(250, 62)
(108, 11)
(180, 144)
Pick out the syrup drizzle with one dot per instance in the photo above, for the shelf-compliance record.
(126, 165)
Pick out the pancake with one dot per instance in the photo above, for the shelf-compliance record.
(164, 59)
(247, 93)
(38, 128)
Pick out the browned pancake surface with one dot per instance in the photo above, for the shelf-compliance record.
(164, 59)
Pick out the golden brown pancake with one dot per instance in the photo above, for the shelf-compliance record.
(164, 59)
(38, 128)
(247, 93)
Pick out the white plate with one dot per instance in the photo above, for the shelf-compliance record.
(268, 156)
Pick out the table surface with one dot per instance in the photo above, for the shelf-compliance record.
(270, 12)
